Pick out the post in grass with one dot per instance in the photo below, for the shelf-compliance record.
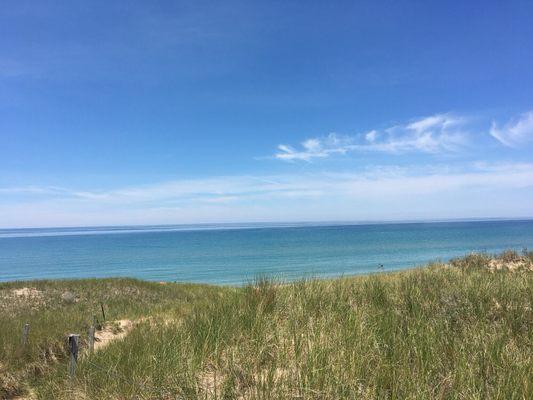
(73, 348)
(91, 335)
(25, 332)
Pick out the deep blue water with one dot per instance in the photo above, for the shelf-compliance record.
(232, 254)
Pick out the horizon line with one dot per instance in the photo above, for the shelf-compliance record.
(288, 224)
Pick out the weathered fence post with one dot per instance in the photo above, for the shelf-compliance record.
(73, 348)
(25, 332)
(103, 312)
(91, 335)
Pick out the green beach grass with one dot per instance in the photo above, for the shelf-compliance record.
(456, 331)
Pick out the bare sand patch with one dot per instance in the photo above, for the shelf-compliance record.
(119, 329)
(27, 292)
(513, 266)
(115, 331)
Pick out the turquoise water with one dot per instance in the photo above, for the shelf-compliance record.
(234, 254)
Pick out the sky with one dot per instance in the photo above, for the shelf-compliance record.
(168, 112)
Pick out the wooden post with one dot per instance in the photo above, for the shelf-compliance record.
(73, 348)
(91, 335)
(103, 312)
(25, 332)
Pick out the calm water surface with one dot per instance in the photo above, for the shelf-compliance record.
(231, 254)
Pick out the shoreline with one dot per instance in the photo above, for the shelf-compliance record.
(278, 281)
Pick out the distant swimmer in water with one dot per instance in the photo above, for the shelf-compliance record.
(381, 267)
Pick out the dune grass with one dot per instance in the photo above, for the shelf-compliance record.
(459, 331)
(56, 308)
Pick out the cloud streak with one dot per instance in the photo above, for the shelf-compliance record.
(365, 194)
(435, 134)
(515, 132)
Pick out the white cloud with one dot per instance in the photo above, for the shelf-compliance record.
(438, 121)
(380, 192)
(439, 133)
(371, 136)
(516, 132)
(312, 145)
(315, 148)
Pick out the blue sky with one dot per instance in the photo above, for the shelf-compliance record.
(182, 112)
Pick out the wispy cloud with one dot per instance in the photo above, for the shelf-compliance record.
(515, 132)
(435, 134)
(316, 148)
(227, 189)
(51, 191)
(365, 194)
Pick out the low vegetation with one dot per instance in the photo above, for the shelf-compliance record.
(461, 330)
